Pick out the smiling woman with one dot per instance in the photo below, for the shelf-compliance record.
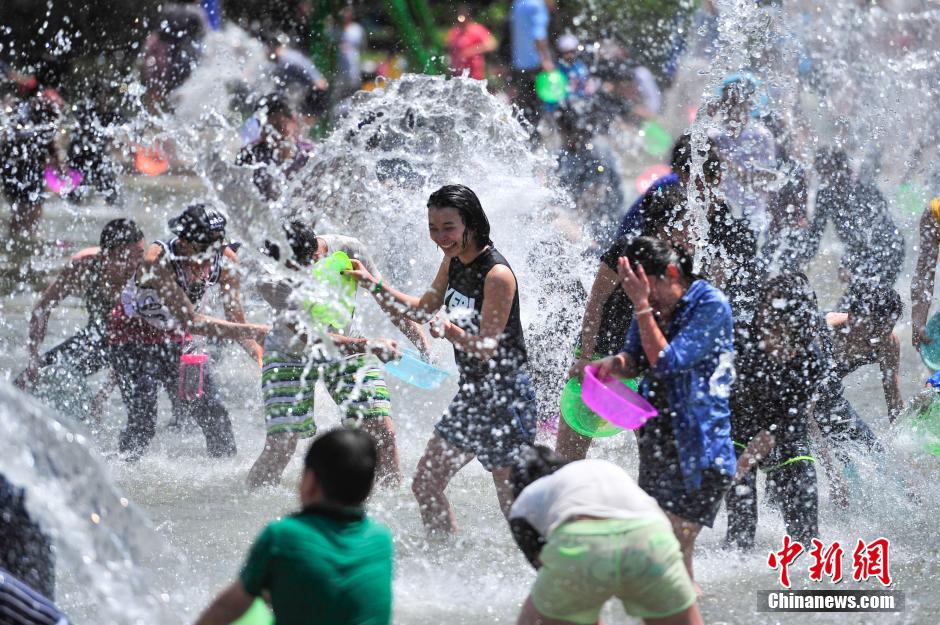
(492, 417)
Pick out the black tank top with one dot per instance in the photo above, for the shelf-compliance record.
(465, 294)
(194, 290)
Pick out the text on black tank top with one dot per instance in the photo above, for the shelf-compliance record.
(196, 289)
(464, 303)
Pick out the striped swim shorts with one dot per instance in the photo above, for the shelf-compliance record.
(356, 384)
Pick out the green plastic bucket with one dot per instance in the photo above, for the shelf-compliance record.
(551, 87)
(582, 419)
(925, 427)
(656, 141)
(257, 614)
(337, 309)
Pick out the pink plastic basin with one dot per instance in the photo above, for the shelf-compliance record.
(614, 401)
(62, 184)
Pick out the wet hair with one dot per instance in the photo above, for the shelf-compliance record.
(661, 208)
(655, 255)
(788, 300)
(880, 305)
(302, 240)
(466, 202)
(119, 232)
(681, 162)
(534, 462)
(343, 462)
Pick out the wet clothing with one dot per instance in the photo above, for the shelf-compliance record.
(86, 352)
(270, 175)
(627, 551)
(591, 487)
(632, 223)
(464, 303)
(90, 147)
(20, 604)
(25, 147)
(141, 370)
(142, 316)
(777, 397)
(617, 313)
(751, 151)
(588, 562)
(291, 368)
(837, 419)
(874, 247)
(791, 488)
(593, 171)
(732, 252)
(25, 549)
(699, 337)
(329, 564)
(146, 345)
(288, 386)
(493, 417)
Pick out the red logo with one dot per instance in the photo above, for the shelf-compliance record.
(868, 560)
(826, 562)
(871, 560)
(784, 558)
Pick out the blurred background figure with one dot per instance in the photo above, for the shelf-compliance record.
(468, 42)
(172, 51)
(530, 54)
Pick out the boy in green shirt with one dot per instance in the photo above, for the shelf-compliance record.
(328, 563)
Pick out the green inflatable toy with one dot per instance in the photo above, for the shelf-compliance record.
(582, 419)
(551, 87)
(336, 309)
(257, 614)
(656, 141)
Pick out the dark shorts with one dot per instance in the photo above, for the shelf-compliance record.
(493, 418)
(662, 479)
(665, 484)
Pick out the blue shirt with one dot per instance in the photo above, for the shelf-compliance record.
(698, 385)
(529, 24)
(633, 221)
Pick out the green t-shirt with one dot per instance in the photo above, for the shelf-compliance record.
(324, 565)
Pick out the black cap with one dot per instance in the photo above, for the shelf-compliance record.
(199, 224)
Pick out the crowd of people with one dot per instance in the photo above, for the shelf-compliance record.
(700, 293)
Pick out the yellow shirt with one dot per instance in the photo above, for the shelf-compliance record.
(935, 208)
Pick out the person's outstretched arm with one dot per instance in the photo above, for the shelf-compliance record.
(922, 282)
(230, 284)
(394, 302)
(890, 362)
(228, 606)
(69, 282)
(605, 284)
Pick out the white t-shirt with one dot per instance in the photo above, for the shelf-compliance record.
(594, 488)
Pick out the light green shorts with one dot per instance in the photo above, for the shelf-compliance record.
(587, 562)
